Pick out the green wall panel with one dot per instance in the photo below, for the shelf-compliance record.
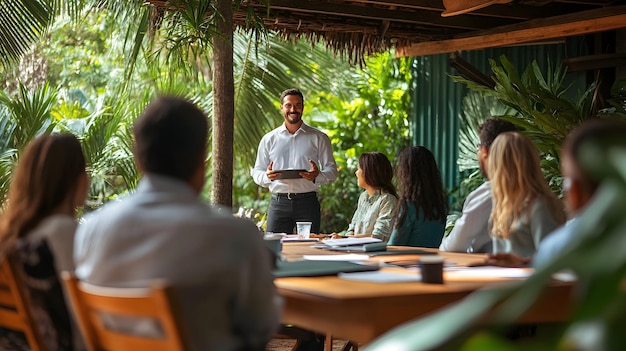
(436, 99)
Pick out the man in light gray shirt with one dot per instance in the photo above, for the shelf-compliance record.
(218, 265)
(471, 230)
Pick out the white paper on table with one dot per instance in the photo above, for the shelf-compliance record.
(348, 257)
(488, 272)
(565, 276)
(380, 277)
(350, 241)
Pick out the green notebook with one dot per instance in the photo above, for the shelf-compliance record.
(317, 268)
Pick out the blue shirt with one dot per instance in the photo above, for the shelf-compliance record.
(555, 243)
(418, 231)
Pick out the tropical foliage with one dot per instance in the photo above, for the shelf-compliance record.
(22, 22)
(82, 79)
(372, 118)
(476, 108)
(540, 106)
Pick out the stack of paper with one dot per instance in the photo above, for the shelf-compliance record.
(350, 241)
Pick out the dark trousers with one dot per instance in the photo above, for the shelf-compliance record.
(287, 209)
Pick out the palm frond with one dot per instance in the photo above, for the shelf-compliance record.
(22, 22)
(30, 111)
(476, 109)
(263, 71)
(8, 159)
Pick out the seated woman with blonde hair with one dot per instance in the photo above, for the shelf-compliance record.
(525, 210)
(37, 233)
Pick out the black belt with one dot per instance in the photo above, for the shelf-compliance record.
(293, 196)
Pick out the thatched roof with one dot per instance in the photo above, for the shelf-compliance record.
(417, 27)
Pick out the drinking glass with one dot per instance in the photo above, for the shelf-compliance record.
(304, 229)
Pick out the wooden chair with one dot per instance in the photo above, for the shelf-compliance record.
(14, 311)
(91, 302)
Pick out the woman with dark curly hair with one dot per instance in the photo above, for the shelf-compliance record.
(423, 205)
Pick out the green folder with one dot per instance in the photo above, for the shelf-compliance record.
(317, 268)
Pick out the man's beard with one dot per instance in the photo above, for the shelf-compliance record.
(294, 118)
(483, 169)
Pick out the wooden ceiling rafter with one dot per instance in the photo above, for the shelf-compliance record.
(591, 21)
(416, 27)
(337, 10)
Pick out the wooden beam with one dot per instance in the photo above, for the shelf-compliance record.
(427, 18)
(593, 62)
(586, 22)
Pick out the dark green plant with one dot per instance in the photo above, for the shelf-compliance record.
(23, 116)
(476, 108)
(543, 108)
(23, 22)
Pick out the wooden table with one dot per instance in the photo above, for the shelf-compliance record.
(362, 311)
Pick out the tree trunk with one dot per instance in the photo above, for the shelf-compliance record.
(223, 106)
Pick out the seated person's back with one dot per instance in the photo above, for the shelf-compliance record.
(217, 264)
(524, 208)
(37, 233)
(471, 230)
(423, 206)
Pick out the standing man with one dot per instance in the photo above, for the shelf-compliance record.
(294, 146)
(471, 231)
(218, 265)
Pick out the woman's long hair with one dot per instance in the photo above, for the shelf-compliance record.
(516, 182)
(420, 184)
(47, 175)
(377, 171)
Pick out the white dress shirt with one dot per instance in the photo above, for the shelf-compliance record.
(471, 230)
(293, 151)
(218, 264)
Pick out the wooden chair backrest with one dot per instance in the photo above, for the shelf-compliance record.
(90, 302)
(14, 311)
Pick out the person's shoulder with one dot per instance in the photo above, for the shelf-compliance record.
(273, 133)
(54, 225)
(280, 129)
(311, 130)
(111, 212)
(60, 222)
(389, 197)
(237, 230)
(480, 194)
(485, 187)
(540, 205)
